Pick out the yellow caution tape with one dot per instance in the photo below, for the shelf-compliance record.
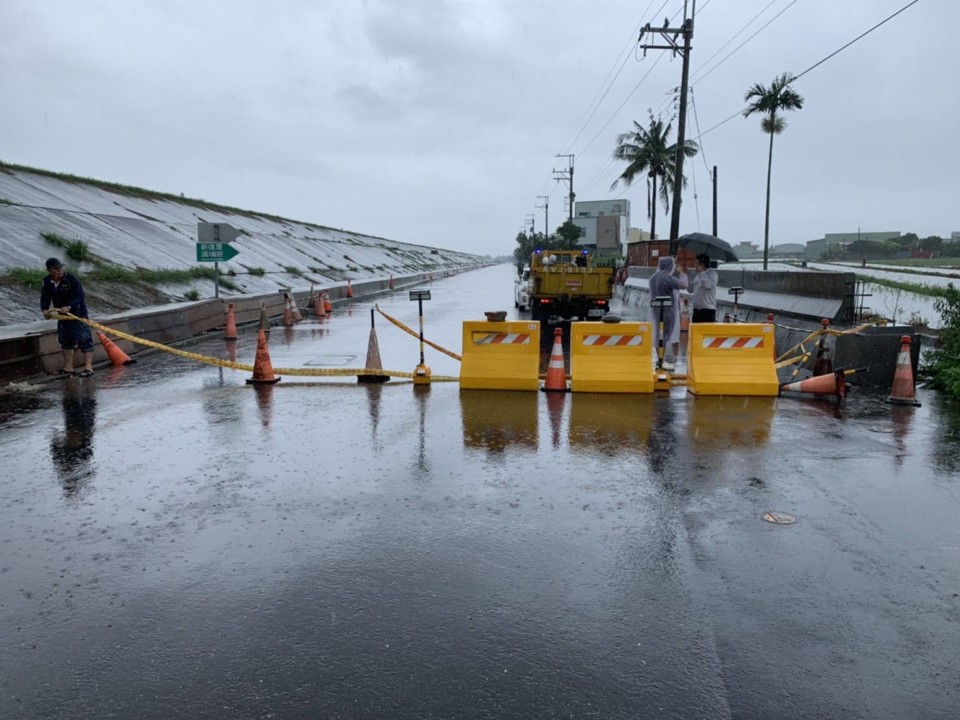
(218, 362)
(417, 335)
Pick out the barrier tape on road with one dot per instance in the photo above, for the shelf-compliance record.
(218, 362)
(413, 332)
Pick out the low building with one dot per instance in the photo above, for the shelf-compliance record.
(603, 225)
(788, 250)
(831, 241)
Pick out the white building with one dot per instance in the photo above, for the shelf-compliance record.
(604, 225)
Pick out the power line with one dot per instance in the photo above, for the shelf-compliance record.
(696, 119)
(820, 62)
(734, 37)
(582, 123)
(734, 51)
(835, 52)
(625, 100)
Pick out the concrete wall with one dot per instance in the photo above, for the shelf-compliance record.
(32, 350)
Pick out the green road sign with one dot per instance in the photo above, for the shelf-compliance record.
(215, 252)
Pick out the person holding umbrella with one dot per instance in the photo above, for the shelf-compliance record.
(704, 291)
(665, 282)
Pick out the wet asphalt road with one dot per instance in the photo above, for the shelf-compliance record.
(176, 543)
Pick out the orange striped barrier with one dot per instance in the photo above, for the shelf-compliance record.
(611, 357)
(500, 355)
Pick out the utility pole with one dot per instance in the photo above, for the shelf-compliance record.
(568, 176)
(546, 216)
(715, 201)
(670, 37)
(530, 220)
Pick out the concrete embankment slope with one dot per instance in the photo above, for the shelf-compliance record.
(131, 229)
(134, 229)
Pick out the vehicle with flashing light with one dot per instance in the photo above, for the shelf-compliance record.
(567, 284)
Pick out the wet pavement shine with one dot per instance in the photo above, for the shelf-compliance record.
(175, 542)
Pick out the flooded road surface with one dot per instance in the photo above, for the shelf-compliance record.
(177, 543)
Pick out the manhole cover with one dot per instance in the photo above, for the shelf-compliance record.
(779, 518)
(331, 360)
(878, 429)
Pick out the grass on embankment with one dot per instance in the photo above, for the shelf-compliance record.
(928, 290)
(33, 277)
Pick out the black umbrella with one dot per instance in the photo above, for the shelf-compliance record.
(712, 247)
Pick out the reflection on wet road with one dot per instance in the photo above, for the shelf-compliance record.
(175, 542)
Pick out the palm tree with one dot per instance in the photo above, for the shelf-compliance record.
(646, 150)
(769, 101)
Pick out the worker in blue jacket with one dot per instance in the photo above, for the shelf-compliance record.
(62, 292)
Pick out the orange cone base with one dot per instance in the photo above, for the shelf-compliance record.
(372, 378)
(258, 381)
(903, 401)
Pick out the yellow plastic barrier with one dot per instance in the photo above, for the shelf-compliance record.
(611, 357)
(732, 359)
(500, 355)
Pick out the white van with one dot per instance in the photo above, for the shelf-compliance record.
(521, 289)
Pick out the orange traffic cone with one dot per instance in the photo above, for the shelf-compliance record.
(349, 289)
(904, 392)
(262, 367)
(831, 384)
(297, 317)
(556, 371)
(327, 305)
(117, 356)
(373, 357)
(319, 307)
(287, 312)
(391, 283)
(230, 332)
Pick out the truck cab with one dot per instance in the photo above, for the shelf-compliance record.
(521, 289)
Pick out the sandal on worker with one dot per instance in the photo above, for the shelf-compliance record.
(63, 373)
(85, 373)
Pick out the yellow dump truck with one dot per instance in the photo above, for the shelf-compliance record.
(565, 284)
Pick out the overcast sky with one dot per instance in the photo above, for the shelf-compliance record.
(437, 121)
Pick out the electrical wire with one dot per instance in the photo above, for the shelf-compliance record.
(736, 49)
(594, 102)
(820, 62)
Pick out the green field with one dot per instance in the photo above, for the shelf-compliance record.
(920, 262)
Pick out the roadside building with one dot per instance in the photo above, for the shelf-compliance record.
(604, 225)
(793, 251)
(816, 249)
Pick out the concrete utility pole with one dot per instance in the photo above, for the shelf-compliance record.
(531, 222)
(546, 215)
(568, 176)
(670, 37)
